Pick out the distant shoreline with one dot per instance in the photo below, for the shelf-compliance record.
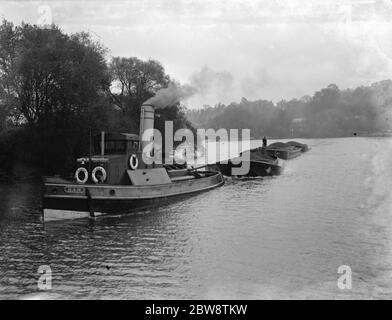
(375, 135)
(354, 135)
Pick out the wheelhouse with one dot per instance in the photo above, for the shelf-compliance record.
(116, 143)
(113, 154)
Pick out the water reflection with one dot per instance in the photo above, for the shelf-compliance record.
(276, 237)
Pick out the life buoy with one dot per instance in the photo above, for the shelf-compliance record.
(77, 177)
(133, 162)
(94, 176)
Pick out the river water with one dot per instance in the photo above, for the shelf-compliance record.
(282, 237)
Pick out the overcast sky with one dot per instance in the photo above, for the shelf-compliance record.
(273, 49)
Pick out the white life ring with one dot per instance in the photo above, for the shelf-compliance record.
(79, 170)
(133, 162)
(94, 177)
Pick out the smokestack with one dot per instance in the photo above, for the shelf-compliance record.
(146, 123)
(163, 98)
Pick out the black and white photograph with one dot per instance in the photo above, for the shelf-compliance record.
(198, 150)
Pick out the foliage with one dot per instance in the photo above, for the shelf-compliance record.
(51, 85)
(133, 82)
(330, 112)
(55, 88)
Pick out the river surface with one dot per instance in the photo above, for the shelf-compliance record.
(282, 237)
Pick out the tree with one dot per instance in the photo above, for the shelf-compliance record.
(133, 82)
(52, 82)
(8, 52)
(60, 75)
(331, 112)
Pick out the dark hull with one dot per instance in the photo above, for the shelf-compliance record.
(95, 200)
(285, 154)
(304, 147)
(256, 169)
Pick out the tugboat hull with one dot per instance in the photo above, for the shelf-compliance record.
(70, 200)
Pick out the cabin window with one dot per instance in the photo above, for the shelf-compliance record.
(115, 146)
(133, 145)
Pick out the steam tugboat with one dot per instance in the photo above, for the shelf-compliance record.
(117, 180)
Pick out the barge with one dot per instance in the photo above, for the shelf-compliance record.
(260, 164)
(284, 151)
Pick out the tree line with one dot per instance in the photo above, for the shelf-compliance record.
(56, 88)
(330, 112)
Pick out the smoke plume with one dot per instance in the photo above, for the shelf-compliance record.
(215, 87)
(209, 87)
(171, 95)
(212, 87)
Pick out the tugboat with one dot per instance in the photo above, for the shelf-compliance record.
(117, 181)
(260, 164)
